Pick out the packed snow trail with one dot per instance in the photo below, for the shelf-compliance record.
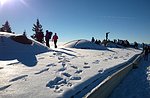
(136, 84)
(34, 71)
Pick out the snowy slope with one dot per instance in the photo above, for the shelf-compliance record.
(84, 44)
(34, 71)
(9, 50)
(136, 84)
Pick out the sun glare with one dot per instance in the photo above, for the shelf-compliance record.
(2, 2)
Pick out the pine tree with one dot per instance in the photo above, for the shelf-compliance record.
(6, 27)
(37, 28)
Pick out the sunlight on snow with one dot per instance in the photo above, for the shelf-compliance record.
(8, 62)
(148, 73)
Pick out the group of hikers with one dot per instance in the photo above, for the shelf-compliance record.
(40, 37)
(146, 51)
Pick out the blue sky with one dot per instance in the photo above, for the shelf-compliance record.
(81, 19)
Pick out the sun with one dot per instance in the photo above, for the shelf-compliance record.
(2, 2)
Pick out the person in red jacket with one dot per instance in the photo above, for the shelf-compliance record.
(55, 38)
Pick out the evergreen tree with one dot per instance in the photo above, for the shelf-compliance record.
(6, 27)
(37, 27)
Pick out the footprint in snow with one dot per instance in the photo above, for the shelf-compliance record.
(121, 57)
(66, 74)
(18, 78)
(115, 57)
(46, 69)
(13, 63)
(69, 84)
(58, 90)
(4, 87)
(64, 64)
(64, 60)
(60, 58)
(79, 71)
(56, 82)
(51, 65)
(51, 56)
(105, 60)
(57, 53)
(75, 78)
(96, 62)
(101, 70)
(86, 66)
(75, 67)
(85, 63)
(1, 67)
(62, 69)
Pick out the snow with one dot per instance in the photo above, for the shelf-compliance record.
(113, 45)
(40, 72)
(84, 44)
(136, 84)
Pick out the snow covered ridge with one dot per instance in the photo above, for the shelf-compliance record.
(11, 48)
(84, 44)
(34, 71)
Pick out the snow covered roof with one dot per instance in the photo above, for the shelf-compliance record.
(84, 44)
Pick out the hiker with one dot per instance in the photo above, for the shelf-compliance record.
(48, 37)
(93, 40)
(146, 50)
(107, 36)
(39, 36)
(55, 38)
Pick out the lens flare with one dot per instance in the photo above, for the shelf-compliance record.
(2, 2)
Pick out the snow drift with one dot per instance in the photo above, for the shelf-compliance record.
(15, 47)
(84, 44)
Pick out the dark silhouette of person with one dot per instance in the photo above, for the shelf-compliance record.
(39, 36)
(93, 40)
(55, 38)
(135, 45)
(146, 52)
(107, 36)
(48, 37)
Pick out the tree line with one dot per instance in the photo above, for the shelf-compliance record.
(37, 28)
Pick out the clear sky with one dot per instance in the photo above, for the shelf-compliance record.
(81, 19)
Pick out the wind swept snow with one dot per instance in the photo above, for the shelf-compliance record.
(38, 72)
(84, 44)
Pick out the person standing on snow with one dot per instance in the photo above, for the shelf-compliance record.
(146, 53)
(55, 38)
(39, 37)
(48, 37)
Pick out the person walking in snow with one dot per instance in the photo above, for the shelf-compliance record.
(39, 37)
(146, 53)
(48, 37)
(107, 36)
(55, 38)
